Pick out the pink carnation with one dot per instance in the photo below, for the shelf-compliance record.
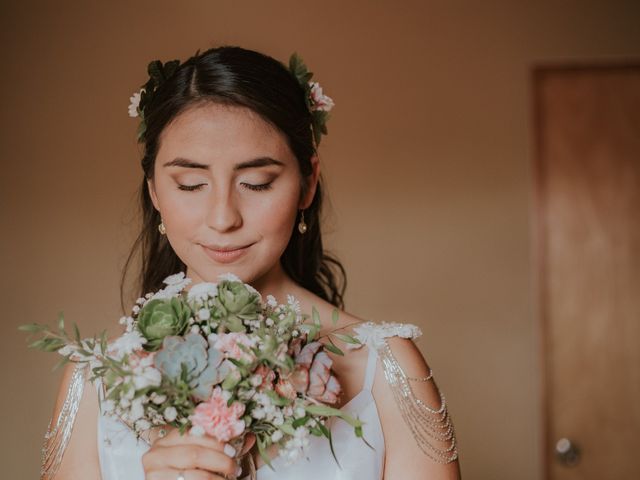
(227, 343)
(217, 419)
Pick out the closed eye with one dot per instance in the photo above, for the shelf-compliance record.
(257, 188)
(191, 188)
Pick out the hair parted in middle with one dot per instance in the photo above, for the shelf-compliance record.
(235, 76)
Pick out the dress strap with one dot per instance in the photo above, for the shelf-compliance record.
(59, 431)
(371, 369)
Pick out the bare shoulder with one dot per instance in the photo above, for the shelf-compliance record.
(419, 436)
(76, 407)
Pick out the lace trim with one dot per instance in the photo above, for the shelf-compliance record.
(373, 334)
(57, 439)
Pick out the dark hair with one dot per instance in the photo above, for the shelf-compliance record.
(236, 76)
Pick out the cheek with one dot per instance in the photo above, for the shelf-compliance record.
(180, 213)
(274, 216)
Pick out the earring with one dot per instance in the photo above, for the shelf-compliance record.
(302, 227)
(161, 229)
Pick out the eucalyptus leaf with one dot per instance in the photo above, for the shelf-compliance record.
(32, 327)
(333, 349)
(347, 338)
(334, 316)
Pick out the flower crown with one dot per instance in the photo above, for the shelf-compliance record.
(318, 103)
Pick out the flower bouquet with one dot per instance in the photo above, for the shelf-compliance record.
(215, 360)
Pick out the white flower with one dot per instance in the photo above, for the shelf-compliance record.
(258, 413)
(137, 410)
(202, 291)
(271, 301)
(294, 304)
(158, 399)
(296, 447)
(320, 100)
(142, 425)
(68, 349)
(135, 103)
(229, 277)
(204, 314)
(127, 343)
(197, 431)
(170, 414)
(149, 377)
(276, 436)
(175, 284)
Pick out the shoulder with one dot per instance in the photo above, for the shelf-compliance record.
(418, 432)
(70, 443)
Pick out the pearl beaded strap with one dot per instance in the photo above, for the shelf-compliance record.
(56, 439)
(431, 428)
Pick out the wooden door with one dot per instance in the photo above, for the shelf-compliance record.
(588, 211)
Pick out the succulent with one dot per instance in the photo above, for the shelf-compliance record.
(162, 317)
(236, 303)
(204, 367)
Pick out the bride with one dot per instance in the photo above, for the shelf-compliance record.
(232, 184)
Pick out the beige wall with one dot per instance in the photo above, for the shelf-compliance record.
(428, 163)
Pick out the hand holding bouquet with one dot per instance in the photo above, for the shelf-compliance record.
(214, 360)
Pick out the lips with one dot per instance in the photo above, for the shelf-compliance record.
(225, 254)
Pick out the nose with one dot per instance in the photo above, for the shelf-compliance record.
(223, 213)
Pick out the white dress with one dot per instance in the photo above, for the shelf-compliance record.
(120, 452)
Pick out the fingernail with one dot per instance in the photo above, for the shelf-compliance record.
(229, 450)
(238, 471)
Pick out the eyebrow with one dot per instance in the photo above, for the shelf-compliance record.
(255, 163)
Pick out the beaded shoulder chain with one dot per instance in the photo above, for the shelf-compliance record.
(431, 427)
(57, 438)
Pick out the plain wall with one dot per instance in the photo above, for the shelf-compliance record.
(427, 162)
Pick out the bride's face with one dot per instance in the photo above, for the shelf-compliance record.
(228, 189)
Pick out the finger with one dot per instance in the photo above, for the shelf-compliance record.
(174, 437)
(249, 442)
(188, 457)
(170, 474)
(156, 433)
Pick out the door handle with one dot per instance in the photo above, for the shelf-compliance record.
(567, 452)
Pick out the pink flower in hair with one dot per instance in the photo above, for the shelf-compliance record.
(217, 419)
(320, 100)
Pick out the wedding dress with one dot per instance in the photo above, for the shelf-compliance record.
(120, 452)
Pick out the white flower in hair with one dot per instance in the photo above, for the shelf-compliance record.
(320, 100)
(135, 103)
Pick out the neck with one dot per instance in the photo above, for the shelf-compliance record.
(275, 282)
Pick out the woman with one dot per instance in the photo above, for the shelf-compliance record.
(232, 184)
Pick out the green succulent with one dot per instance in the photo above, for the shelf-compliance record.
(162, 317)
(236, 303)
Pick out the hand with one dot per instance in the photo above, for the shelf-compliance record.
(196, 458)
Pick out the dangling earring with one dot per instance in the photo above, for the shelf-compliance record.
(161, 229)
(302, 227)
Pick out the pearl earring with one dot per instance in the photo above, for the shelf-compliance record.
(302, 227)
(161, 229)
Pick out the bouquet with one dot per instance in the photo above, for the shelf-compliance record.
(215, 360)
